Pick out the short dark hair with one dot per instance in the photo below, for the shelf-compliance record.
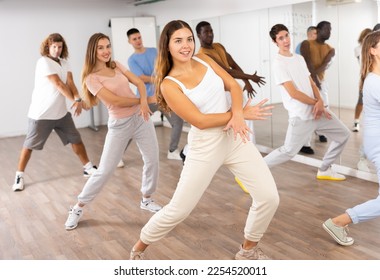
(132, 31)
(200, 25)
(276, 29)
(376, 27)
(310, 28)
(322, 24)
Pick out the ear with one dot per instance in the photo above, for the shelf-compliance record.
(373, 51)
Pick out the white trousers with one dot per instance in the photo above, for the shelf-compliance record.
(209, 149)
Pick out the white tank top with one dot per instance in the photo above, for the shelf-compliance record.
(209, 95)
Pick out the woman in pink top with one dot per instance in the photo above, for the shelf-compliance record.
(129, 118)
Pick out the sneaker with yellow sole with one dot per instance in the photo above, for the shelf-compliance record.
(241, 185)
(330, 174)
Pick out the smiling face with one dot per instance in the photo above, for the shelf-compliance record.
(181, 45)
(103, 50)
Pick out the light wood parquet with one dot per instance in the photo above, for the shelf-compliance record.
(32, 221)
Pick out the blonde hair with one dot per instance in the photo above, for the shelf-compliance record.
(370, 41)
(88, 67)
(164, 61)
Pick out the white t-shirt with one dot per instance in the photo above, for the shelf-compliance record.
(294, 69)
(47, 102)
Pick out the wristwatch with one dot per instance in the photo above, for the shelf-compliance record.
(78, 99)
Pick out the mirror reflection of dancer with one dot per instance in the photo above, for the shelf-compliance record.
(318, 56)
(194, 88)
(363, 162)
(305, 107)
(370, 84)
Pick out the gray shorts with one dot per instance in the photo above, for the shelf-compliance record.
(39, 131)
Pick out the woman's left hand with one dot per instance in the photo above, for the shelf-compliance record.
(238, 125)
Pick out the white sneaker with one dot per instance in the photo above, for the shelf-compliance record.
(120, 164)
(88, 172)
(340, 234)
(356, 127)
(73, 218)
(252, 254)
(330, 174)
(19, 183)
(150, 205)
(174, 155)
(363, 165)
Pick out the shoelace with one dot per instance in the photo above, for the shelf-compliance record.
(345, 232)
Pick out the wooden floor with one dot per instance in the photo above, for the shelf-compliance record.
(32, 221)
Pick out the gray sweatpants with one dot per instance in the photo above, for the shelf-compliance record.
(298, 134)
(176, 123)
(120, 131)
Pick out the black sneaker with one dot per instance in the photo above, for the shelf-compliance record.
(182, 155)
(322, 139)
(307, 150)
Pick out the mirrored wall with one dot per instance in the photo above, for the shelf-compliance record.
(246, 38)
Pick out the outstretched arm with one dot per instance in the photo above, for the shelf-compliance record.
(238, 73)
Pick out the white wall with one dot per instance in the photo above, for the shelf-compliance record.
(25, 23)
(189, 10)
(23, 26)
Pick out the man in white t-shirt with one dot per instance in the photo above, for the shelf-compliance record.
(305, 107)
(53, 84)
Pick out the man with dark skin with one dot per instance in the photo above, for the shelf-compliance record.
(219, 54)
(318, 55)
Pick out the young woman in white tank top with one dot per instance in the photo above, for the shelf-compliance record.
(194, 87)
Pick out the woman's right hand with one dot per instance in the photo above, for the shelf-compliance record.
(258, 111)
